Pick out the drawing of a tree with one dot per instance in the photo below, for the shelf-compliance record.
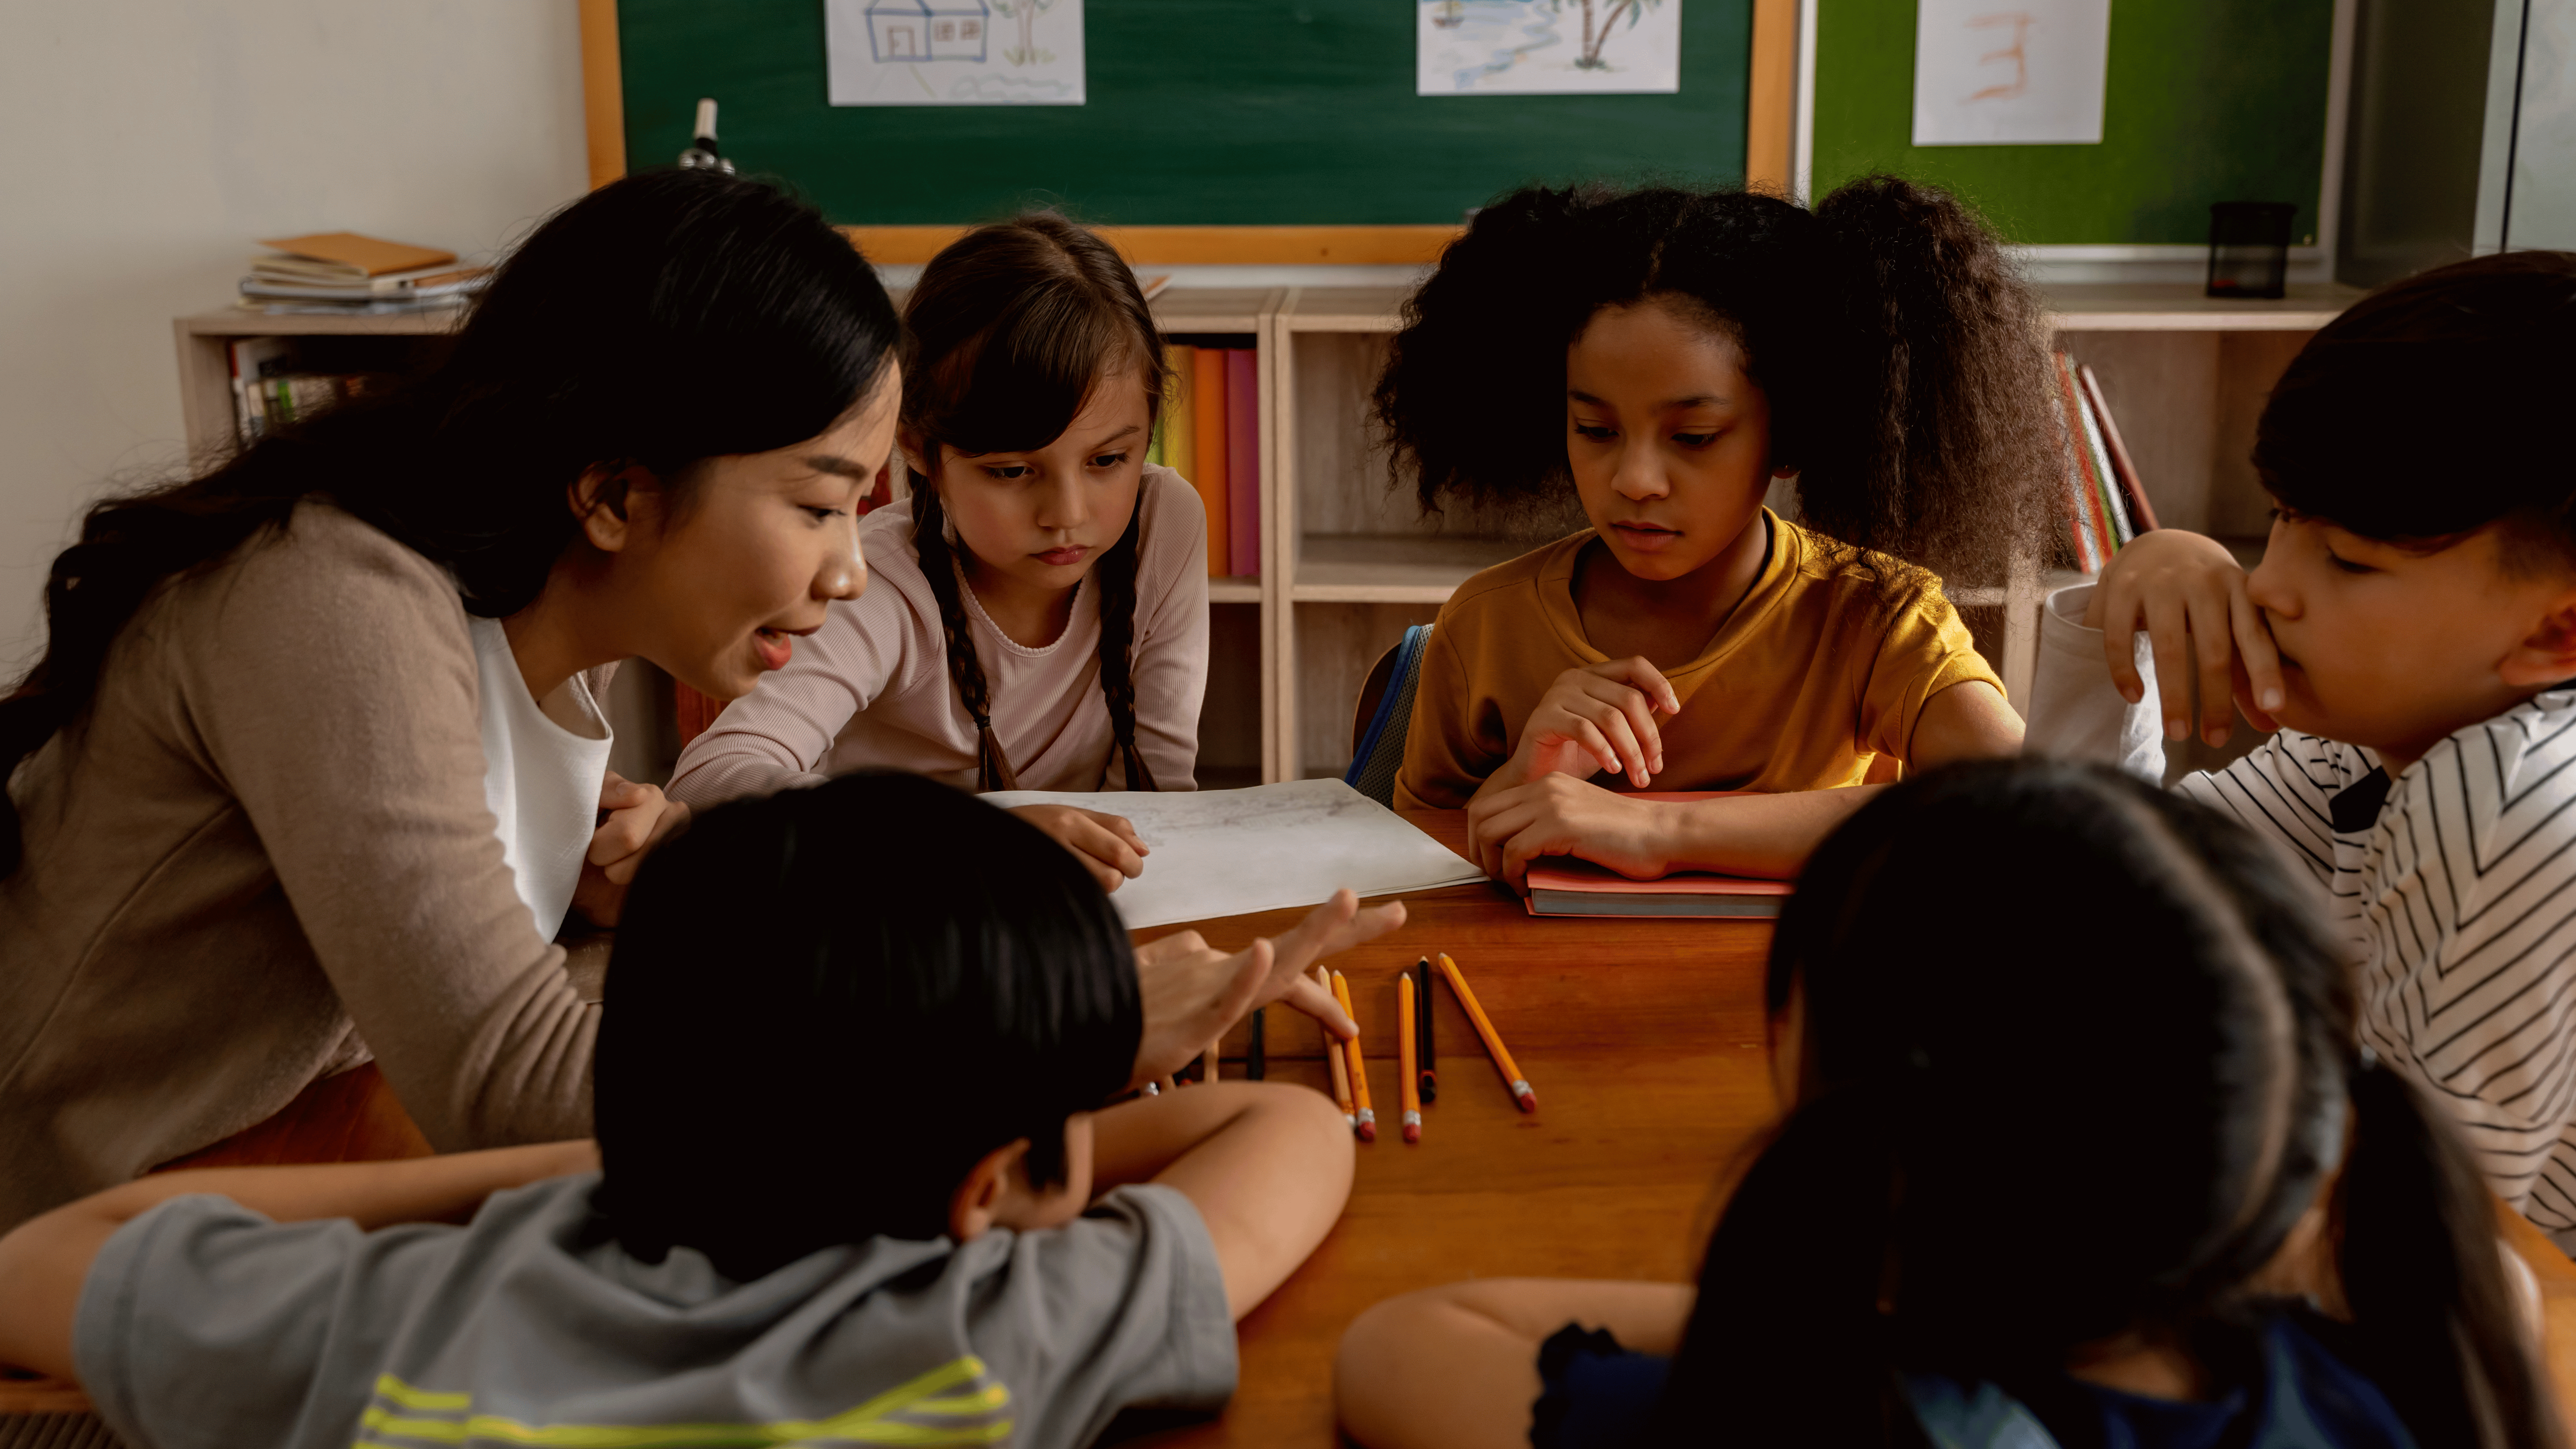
(1595, 36)
(1026, 12)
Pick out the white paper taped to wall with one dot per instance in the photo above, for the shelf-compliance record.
(1227, 852)
(2010, 72)
(953, 52)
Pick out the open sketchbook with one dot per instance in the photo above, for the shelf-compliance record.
(1227, 852)
(1563, 886)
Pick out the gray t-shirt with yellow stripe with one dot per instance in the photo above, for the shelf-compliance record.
(204, 1324)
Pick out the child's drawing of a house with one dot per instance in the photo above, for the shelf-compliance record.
(927, 29)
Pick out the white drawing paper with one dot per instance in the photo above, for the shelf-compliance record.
(1536, 47)
(1227, 852)
(2010, 72)
(954, 52)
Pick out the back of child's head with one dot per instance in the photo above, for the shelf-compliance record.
(2430, 409)
(827, 1005)
(1014, 327)
(1901, 354)
(2099, 1116)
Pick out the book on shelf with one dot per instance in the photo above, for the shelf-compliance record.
(1207, 405)
(345, 256)
(1242, 463)
(2132, 492)
(1183, 442)
(343, 272)
(2105, 504)
(272, 387)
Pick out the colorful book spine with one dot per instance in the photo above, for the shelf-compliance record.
(2091, 512)
(2133, 490)
(1208, 409)
(2098, 458)
(1181, 435)
(1242, 462)
(2111, 517)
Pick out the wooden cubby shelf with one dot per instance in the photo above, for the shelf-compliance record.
(1348, 560)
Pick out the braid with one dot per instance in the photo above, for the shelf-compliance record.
(1116, 574)
(939, 567)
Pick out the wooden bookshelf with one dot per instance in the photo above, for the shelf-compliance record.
(1348, 559)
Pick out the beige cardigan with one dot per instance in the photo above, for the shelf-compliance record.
(262, 854)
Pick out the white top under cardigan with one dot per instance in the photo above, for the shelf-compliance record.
(2453, 887)
(872, 688)
(541, 778)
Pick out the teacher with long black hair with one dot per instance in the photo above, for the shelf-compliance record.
(309, 771)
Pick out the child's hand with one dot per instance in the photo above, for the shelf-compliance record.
(638, 816)
(1106, 845)
(2188, 593)
(1561, 815)
(1193, 992)
(1599, 717)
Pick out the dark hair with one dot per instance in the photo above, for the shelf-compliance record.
(663, 319)
(1012, 326)
(825, 1064)
(1903, 357)
(2107, 1120)
(2423, 413)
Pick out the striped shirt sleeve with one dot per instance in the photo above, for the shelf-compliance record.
(2468, 885)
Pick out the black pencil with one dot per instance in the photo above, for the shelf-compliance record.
(1253, 1064)
(1423, 1037)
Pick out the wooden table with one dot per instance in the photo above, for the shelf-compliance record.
(1644, 1040)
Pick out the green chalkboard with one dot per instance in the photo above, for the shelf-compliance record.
(1202, 112)
(2208, 100)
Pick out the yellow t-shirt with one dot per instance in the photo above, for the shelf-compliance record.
(1809, 679)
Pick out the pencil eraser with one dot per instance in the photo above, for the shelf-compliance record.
(1412, 1126)
(1522, 1094)
(1367, 1125)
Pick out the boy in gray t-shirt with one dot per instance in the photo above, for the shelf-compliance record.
(847, 1104)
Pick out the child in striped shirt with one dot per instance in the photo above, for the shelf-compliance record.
(2411, 635)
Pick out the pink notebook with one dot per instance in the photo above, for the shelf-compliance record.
(1242, 462)
(1563, 886)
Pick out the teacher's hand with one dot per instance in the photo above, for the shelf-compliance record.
(1193, 992)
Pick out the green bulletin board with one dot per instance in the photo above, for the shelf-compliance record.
(2208, 100)
(1202, 112)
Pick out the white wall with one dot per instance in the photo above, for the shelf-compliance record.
(151, 141)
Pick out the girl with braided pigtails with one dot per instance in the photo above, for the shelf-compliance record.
(1038, 619)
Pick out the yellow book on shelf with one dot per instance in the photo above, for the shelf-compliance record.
(1179, 435)
(1179, 429)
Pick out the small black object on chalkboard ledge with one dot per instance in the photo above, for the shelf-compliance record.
(2249, 248)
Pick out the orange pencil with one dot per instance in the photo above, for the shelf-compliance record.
(1333, 1061)
(1359, 1064)
(1494, 1047)
(1408, 1087)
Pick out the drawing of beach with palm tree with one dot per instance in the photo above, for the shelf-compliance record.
(1495, 47)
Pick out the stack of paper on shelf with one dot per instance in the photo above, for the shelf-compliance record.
(1210, 433)
(345, 272)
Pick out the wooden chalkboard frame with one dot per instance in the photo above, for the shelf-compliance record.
(1768, 122)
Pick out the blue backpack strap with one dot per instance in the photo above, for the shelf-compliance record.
(1381, 751)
